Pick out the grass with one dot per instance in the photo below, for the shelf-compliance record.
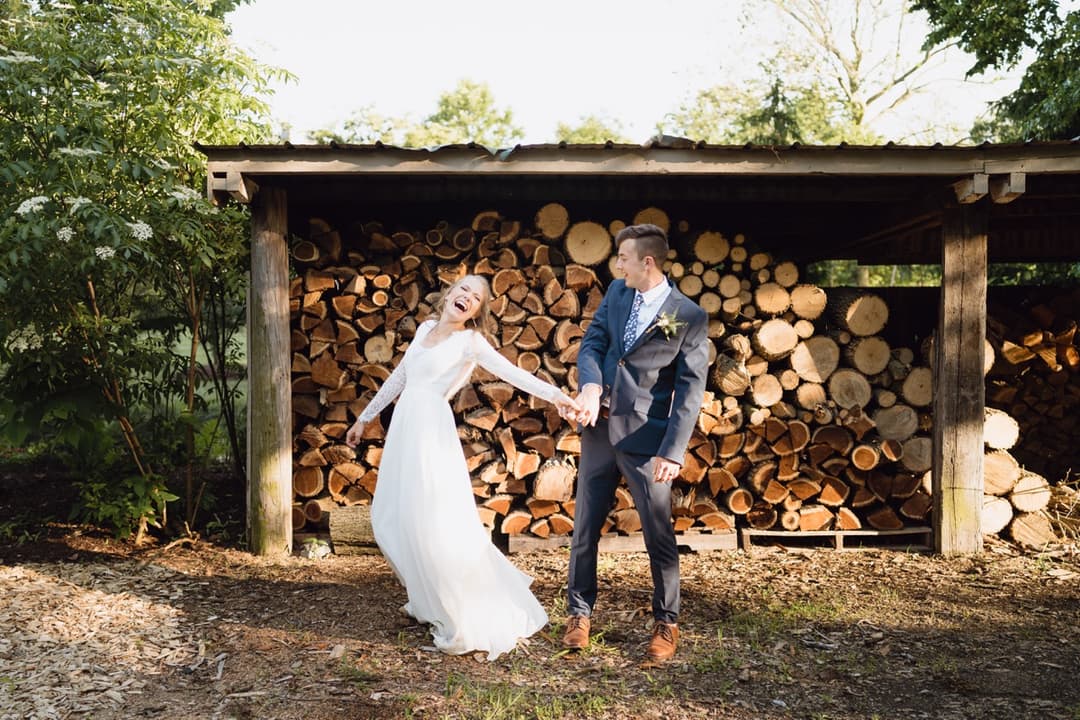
(502, 701)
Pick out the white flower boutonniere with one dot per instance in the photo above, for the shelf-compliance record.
(669, 324)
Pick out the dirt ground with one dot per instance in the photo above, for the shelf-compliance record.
(95, 628)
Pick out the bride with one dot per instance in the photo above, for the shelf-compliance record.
(423, 513)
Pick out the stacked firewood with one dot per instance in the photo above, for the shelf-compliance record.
(812, 421)
(1036, 380)
(1015, 499)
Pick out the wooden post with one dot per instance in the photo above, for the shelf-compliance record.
(269, 425)
(960, 390)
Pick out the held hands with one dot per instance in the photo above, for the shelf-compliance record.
(589, 402)
(568, 408)
(352, 438)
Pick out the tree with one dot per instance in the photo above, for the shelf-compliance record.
(591, 129)
(364, 127)
(1046, 105)
(465, 114)
(108, 248)
(839, 71)
(868, 50)
(765, 111)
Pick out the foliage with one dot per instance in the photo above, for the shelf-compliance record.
(106, 245)
(125, 503)
(467, 113)
(841, 69)
(765, 112)
(999, 33)
(848, 273)
(365, 127)
(591, 129)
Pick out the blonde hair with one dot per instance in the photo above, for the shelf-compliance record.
(481, 320)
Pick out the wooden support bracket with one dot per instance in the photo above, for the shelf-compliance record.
(1007, 187)
(972, 189)
(221, 186)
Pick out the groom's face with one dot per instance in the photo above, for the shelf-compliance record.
(631, 265)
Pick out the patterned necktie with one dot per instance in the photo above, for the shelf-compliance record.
(630, 333)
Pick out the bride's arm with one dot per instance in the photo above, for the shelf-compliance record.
(491, 360)
(389, 390)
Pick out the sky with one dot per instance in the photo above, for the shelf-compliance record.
(626, 61)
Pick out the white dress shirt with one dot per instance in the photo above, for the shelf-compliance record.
(651, 303)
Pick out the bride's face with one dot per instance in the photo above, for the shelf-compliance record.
(463, 300)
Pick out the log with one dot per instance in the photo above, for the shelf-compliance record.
(917, 455)
(869, 355)
(849, 388)
(555, 481)
(350, 531)
(884, 518)
(588, 243)
(917, 388)
(1032, 530)
(815, 358)
(898, 422)
(813, 518)
(997, 513)
(711, 248)
(1001, 472)
(808, 301)
(515, 522)
(765, 390)
(1000, 430)
(738, 500)
(862, 315)
(772, 299)
(761, 516)
(552, 220)
(1031, 493)
(775, 339)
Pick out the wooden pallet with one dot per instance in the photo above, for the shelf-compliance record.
(612, 543)
(911, 538)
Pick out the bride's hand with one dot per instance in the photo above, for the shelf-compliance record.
(568, 408)
(353, 436)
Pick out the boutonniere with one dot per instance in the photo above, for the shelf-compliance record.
(668, 324)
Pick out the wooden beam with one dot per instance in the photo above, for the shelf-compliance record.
(959, 394)
(1006, 188)
(269, 425)
(972, 189)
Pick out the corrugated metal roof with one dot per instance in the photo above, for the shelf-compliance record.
(660, 142)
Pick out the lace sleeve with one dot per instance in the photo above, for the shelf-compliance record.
(386, 395)
(491, 360)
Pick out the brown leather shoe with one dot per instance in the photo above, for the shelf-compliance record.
(665, 638)
(577, 632)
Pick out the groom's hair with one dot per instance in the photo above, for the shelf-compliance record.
(648, 240)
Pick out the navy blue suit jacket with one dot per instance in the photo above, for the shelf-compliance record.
(656, 386)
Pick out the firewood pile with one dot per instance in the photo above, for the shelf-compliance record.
(812, 420)
(1032, 392)
(1036, 380)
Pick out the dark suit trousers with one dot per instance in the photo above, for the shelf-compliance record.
(598, 476)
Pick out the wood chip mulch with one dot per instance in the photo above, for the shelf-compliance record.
(80, 638)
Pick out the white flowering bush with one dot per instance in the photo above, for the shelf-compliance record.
(109, 250)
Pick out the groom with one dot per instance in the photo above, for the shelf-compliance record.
(641, 370)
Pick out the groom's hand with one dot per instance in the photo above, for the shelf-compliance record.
(589, 401)
(664, 470)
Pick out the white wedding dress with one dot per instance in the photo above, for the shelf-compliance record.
(423, 513)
